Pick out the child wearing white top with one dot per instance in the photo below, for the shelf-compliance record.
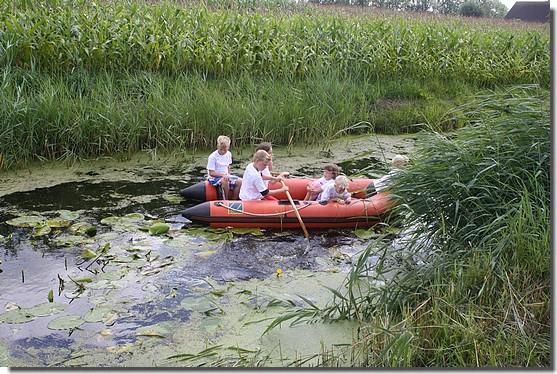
(399, 162)
(218, 169)
(253, 187)
(315, 188)
(337, 191)
(266, 173)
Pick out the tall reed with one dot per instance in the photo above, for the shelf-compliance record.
(468, 282)
(62, 116)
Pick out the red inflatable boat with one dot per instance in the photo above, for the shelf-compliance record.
(280, 214)
(203, 191)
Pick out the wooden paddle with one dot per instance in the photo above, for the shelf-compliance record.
(296, 211)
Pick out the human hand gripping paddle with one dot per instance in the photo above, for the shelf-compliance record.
(296, 211)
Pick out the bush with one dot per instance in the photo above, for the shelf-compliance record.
(471, 9)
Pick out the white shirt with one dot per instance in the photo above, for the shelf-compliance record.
(218, 162)
(329, 192)
(266, 173)
(252, 184)
(383, 183)
(330, 182)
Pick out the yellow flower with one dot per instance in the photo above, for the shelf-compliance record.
(279, 272)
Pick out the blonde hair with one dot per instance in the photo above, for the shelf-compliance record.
(261, 155)
(341, 182)
(223, 140)
(400, 161)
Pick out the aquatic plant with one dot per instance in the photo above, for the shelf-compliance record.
(468, 283)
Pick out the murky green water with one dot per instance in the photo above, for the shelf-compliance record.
(138, 299)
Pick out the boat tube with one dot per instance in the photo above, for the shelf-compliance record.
(203, 191)
(279, 214)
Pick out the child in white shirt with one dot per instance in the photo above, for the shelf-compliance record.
(337, 191)
(315, 188)
(218, 169)
(399, 162)
(266, 173)
(253, 186)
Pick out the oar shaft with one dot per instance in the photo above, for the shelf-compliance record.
(297, 213)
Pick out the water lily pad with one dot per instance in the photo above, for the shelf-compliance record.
(46, 309)
(97, 314)
(58, 223)
(206, 253)
(88, 254)
(65, 323)
(172, 198)
(68, 215)
(117, 195)
(111, 221)
(83, 228)
(72, 240)
(365, 233)
(159, 228)
(27, 221)
(41, 231)
(244, 231)
(210, 234)
(134, 216)
(17, 316)
(156, 331)
(197, 304)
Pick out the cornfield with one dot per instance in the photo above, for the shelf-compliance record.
(58, 36)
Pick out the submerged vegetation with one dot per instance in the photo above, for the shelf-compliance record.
(468, 282)
(83, 79)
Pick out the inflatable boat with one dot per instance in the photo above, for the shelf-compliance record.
(280, 214)
(203, 191)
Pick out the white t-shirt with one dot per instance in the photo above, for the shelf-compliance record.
(329, 192)
(218, 162)
(330, 182)
(252, 184)
(266, 172)
(383, 183)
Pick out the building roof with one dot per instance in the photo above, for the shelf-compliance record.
(530, 11)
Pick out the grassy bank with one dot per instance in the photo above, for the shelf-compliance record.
(95, 114)
(468, 283)
(83, 79)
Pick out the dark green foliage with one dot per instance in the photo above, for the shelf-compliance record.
(471, 9)
(467, 284)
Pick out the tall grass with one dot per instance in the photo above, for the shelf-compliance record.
(58, 36)
(61, 116)
(468, 284)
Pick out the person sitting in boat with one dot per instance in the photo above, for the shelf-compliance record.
(337, 191)
(398, 163)
(267, 172)
(218, 168)
(315, 188)
(253, 186)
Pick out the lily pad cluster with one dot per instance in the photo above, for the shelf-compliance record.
(43, 226)
(22, 315)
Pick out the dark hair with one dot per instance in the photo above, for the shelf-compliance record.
(335, 169)
(264, 146)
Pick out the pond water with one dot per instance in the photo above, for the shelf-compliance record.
(124, 295)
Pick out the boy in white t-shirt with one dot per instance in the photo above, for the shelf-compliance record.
(266, 173)
(218, 168)
(253, 187)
